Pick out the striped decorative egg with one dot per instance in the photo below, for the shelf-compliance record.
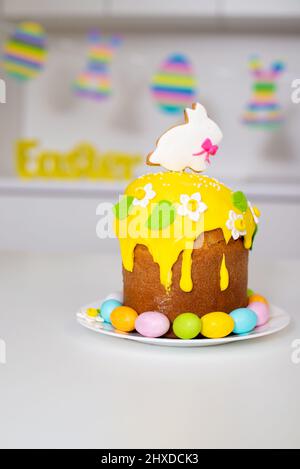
(25, 51)
(174, 85)
(95, 80)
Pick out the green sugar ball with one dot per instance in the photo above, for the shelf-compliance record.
(187, 326)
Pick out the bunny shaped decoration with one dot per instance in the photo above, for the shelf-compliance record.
(95, 81)
(189, 145)
(263, 109)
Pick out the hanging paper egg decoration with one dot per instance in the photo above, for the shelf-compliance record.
(95, 81)
(25, 51)
(173, 87)
(263, 109)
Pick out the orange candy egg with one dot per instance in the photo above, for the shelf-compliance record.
(123, 318)
(257, 298)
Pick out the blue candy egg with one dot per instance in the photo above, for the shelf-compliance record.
(107, 307)
(244, 320)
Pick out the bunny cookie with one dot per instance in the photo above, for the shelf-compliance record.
(188, 145)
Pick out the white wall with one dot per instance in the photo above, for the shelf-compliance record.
(46, 109)
(11, 116)
(130, 121)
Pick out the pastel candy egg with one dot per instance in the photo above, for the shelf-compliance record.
(92, 312)
(117, 295)
(250, 292)
(244, 319)
(187, 326)
(107, 307)
(262, 312)
(152, 324)
(123, 318)
(216, 325)
(255, 297)
(173, 87)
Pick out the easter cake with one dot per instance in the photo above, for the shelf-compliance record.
(184, 236)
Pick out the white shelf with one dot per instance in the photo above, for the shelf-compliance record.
(14, 186)
(149, 8)
(266, 191)
(14, 9)
(159, 8)
(263, 9)
(165, 15)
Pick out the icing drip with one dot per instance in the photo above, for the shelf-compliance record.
(224, 276)
(197, 203)
(186, 283)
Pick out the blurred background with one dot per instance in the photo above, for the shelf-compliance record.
(240, 59)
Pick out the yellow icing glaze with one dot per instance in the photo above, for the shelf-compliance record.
(186, 283)
(224, 276)
(167, 243)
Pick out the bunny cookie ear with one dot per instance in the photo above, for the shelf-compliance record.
(197, 112)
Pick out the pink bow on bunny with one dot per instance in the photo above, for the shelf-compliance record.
(208, 148)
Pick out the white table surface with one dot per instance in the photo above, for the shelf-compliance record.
(65, 386)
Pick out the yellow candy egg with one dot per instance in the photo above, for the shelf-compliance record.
(216, 325)
(92, 312)
(257, 298)
(123, 318)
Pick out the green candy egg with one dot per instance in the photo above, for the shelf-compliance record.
(250, 292)
(187, 326)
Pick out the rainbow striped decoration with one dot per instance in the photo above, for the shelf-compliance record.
(173, 87)
(263, 109)
(95, 81)
(25, 51)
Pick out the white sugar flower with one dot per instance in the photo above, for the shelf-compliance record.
(236, 224)
(255, 212)
(144, 195)
(192, 206)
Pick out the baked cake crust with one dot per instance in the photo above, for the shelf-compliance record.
(144, 292)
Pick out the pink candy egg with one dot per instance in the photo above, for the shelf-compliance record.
(152, 324)
(262, 312)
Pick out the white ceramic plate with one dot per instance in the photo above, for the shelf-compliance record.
(278, 321)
